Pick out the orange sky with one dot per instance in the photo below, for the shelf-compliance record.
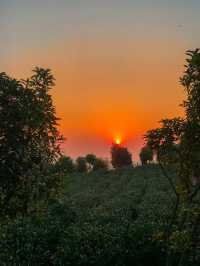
(117, 70)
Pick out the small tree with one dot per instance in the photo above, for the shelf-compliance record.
(100, 163)
(90, 158)
(64, 165)
(120, 156)
(146, 155)
(96, 163)
(81, 165)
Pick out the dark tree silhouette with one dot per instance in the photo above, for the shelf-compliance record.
(90, 158)
(146, 155)
(100, 163)
(81, 165)
(64, 165)
(180, 138)
(120, 156)
(96, 163)
(29, 142)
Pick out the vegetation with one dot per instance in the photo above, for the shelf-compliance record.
(105, 218)
(96, 163)
(64, 165)
(81, 165)
(120, 156)
(146, 215)
(29, 143)
(91, 158)
(146, 155)
(181, 137)
(100, 164)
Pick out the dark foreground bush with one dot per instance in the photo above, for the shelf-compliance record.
(66, 238)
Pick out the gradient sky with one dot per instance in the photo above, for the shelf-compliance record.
(117, 63)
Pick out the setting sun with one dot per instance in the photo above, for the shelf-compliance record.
(118, 141)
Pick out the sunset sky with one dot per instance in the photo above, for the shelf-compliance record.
(117, 63)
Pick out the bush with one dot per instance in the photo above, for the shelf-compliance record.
(90, 158)
(146, 155)
(100, 164)
(64, 165)
(62, 238)
(96, 163)
(81, 165)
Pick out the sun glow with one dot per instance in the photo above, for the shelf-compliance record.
(118, 141)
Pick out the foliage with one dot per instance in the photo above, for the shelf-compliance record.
(81, 165)
(182, 136)
(96, 163)
(146, 155)
(100, 164)
(29, 142)
(64, 165)
(92, 244)
(104, 219)
(114, 217)
(90, 158)
(120, 156)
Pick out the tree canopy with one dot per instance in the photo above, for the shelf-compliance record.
(181, 136)
(146, 155)
(64, 165)
(96, 163)
(81, 164)
(29, 141)
(120, 156)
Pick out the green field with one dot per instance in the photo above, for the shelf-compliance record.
(103, 193)
(104, 218)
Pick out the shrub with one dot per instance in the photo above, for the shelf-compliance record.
(62, 238)
(64, 165)
(81, 165)
(146, 155)
(100, 164)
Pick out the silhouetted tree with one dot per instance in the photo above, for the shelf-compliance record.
(146, 155)
(81, 165)
(120, 156)
(100, 163)
(182, 137)
(96, 163)
(29, 142)
(90, 158)
(169, 155)
(64, 165)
